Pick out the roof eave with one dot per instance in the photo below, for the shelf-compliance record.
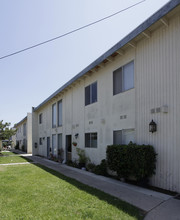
(145, 25)
(17, 124)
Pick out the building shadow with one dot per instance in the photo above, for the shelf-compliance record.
(124, 206)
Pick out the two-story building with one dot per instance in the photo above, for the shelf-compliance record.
(23, 137)
(114, 99)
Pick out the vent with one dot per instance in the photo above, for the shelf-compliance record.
(152, 110)
(164, 109)
(123, 116)
(158, 110)
(90, 122)
(103, 121)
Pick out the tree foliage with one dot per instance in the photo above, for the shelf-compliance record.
(5, 131)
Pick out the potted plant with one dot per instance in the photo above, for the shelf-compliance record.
(74, 144)
(83, 159)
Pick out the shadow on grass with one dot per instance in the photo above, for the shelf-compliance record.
(11, 154)
(124, 206)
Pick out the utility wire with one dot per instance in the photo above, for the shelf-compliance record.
(70, 32)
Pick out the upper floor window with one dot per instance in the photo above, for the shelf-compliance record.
(123, 78)
(40, 118)
(24, 129)
(60, 113)
(54, 115)
(91, 93)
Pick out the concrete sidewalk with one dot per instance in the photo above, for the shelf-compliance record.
(157, 205)
(12, 164)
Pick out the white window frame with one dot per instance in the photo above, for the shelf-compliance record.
(123, 135)
(91, 144)
(119, 86)
(40, 118)
(24, 129)
(54, 115)
(59, 118)
(54, 144)
(91, 94)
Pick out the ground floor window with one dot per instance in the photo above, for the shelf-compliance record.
(91, 140)
(54, 144)
(123, 136)
(59, 141)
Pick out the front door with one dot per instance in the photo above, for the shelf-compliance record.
(68, 148)
(48, 146)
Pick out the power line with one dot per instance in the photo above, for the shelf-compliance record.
(70, 32)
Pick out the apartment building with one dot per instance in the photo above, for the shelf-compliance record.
(117, 97)
(23, 136)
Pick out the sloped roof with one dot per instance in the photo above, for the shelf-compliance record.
(17, 124)
(141, 28)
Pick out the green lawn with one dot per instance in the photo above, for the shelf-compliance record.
(7, 153)
(35, 192)
(13, 159)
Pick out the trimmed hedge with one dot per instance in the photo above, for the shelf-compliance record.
(132, 160)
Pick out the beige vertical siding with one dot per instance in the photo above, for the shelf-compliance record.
(102, 116)
(29, 132)
(158, 84)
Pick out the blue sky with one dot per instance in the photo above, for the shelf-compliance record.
(29, 78)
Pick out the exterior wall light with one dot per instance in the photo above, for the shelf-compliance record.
(76, 135)
(152, 126)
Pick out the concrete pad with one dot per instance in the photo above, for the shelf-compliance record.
(25, 155)
(168, 210)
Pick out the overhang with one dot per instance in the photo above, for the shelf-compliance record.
(23, 120)
(116, 49)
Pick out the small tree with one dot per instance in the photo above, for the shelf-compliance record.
(5, 132)
(83, 159)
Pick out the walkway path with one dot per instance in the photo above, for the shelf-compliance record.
(157, 205)
(10, 164)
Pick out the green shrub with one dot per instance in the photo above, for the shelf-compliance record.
(83, 159)
(90, 167)
(101, 169)
(72, 163)
(138, 161)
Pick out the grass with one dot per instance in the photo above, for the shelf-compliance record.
(36, 192)
(7, 153)
(13, 159)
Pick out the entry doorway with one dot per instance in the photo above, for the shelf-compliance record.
(48, 147)
(68, 147)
